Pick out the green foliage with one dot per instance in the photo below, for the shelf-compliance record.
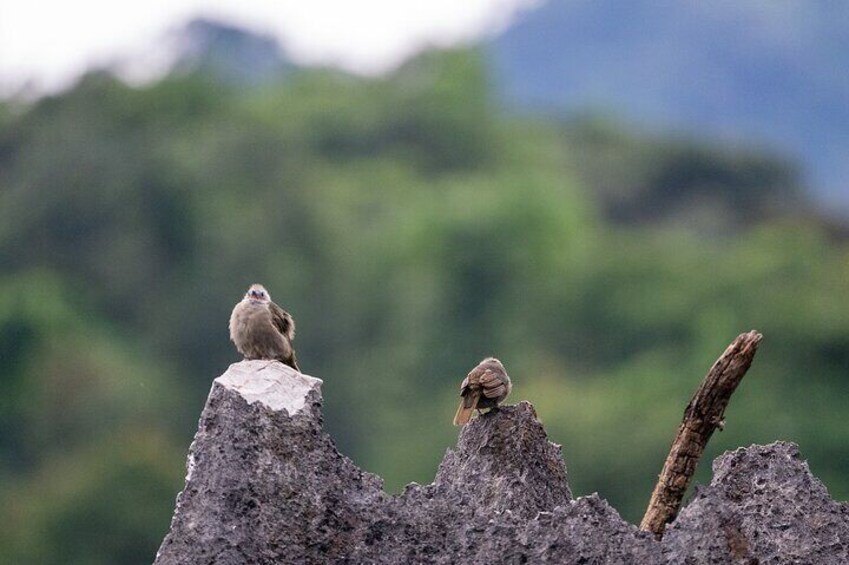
(103, 504)
(714, 188)
(412, 229)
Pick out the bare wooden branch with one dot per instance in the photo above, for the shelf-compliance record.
(703, 415)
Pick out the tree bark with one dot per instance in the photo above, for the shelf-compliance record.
(703, 415)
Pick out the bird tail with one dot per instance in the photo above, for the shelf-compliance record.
(467, 406)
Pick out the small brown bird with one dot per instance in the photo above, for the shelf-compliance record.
(263, 330)
(486, 386)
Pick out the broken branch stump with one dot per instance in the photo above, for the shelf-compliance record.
(703, 415)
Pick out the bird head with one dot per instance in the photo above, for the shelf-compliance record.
(257, 293)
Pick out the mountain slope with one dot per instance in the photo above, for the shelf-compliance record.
(757, 70)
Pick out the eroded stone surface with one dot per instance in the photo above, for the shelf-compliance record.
(762, 506)
(504, 462)
(265, 484)
(267, 487)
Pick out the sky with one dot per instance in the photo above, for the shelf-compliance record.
(47, 44)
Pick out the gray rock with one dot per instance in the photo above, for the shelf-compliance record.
(265, 484)
(762, 506)
(504, 462)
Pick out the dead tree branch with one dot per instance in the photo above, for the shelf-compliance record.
(703, 415)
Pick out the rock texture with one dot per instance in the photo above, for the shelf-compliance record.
(265, 484)
(762, 506)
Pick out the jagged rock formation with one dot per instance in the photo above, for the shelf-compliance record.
(762, 506)
(265, 484)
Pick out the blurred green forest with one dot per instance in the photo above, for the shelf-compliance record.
(412, 227)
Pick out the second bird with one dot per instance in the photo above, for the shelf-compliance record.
(263, 330)
(485, 386)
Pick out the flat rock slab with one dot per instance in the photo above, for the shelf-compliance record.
(266, 484)
(277, 386)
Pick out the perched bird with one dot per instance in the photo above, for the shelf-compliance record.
(261, 329)
(485, 386)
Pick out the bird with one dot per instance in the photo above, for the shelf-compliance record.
(486, 386)
(263, 330)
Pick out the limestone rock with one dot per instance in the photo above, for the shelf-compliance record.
(762, 506)
(504, 462)
(265, 484)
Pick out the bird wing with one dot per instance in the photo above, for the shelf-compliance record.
(492, 384)
(464, 386)
(282, 320)
(473, 379)
(293, 361)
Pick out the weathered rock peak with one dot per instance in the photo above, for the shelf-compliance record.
(266, 484)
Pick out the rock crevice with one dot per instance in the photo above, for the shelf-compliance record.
(266, 484)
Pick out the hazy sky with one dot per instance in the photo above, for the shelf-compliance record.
(51, 42)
